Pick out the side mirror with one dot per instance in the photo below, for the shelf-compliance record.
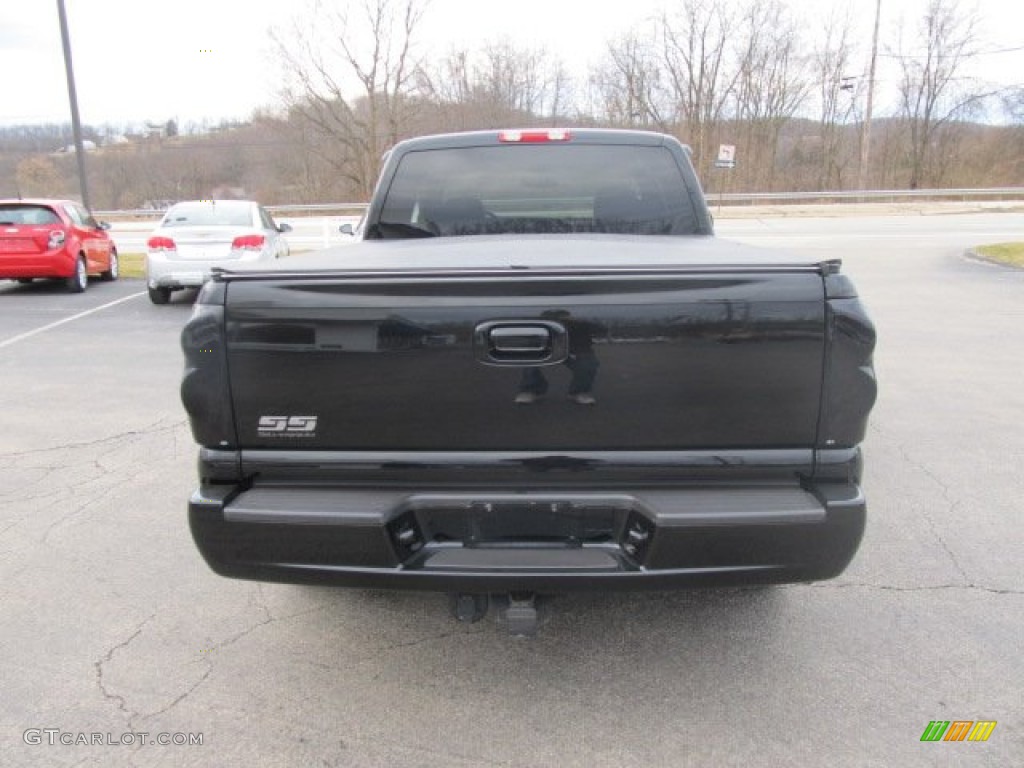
(346, 229)
(284, 227)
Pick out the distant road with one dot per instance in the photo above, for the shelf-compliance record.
(869, 235)
(901, 220)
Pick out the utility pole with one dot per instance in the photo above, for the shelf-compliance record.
(865, 131)
(76, 124)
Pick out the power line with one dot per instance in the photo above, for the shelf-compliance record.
(1000, 50)
(951, 55)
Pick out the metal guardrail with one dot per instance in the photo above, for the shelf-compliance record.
(871, 196)
(312, 208)
(750, 198)
(318, 208)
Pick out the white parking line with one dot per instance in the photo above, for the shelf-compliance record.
(51, 326)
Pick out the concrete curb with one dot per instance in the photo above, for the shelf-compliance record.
(973, 255)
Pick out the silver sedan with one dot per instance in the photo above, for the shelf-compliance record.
(194, 237)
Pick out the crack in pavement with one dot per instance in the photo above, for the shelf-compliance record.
(103, 496)
(153, 429)
(374, 651)
(122, 703)
(93, 473)
(947, 494)
(24, 498)
(262, 602)
(182, 697)
(45, 505)
(427, 639)
(17, 490)
(269, 619)
(245, 632)
(134, 715)
(131, 715)
(933, 588)
(443, 756)
(953, 504)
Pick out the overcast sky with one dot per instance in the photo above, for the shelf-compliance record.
(210, 59)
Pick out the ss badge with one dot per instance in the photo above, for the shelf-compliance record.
(287, 426)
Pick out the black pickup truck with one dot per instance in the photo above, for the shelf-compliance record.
(537, 371)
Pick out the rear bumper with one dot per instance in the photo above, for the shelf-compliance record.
(55, 263)
(166, 274)
(538, 541)
(162, 272)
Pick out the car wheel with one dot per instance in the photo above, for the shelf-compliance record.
(113, 271)
(159, 295)
(80, 279)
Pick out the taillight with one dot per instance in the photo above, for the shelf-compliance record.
(534, 137)
(56, 240)
(160, 244)
(205, 391)
(849, 389)
(248, 243)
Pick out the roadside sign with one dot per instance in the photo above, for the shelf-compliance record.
(726, 156)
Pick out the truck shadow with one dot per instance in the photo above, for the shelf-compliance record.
(649, 622)
(672, 646)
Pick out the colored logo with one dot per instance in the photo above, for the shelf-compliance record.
(958, 730)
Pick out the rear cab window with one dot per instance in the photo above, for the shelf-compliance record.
(537, 189)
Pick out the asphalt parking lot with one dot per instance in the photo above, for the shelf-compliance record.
(113, 625)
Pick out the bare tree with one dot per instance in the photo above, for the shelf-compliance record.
(837, 90)
(770, 84)
(699, 79)
(299, 173)
(498, 85)
(1013, 104)
(451, 80)
(1012, 151)
(354, 88)
(37, 176)
(114, 183)
(933, 93)
(517, 79)
(628, 82)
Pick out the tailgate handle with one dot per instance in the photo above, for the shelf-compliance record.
(521, 340)
(512, 343)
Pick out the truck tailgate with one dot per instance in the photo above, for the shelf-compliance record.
(672, 358)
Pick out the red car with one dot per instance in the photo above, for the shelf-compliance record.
(54, 238)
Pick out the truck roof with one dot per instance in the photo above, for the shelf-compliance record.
(536, 135)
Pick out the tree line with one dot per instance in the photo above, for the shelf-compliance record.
(711, 72)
